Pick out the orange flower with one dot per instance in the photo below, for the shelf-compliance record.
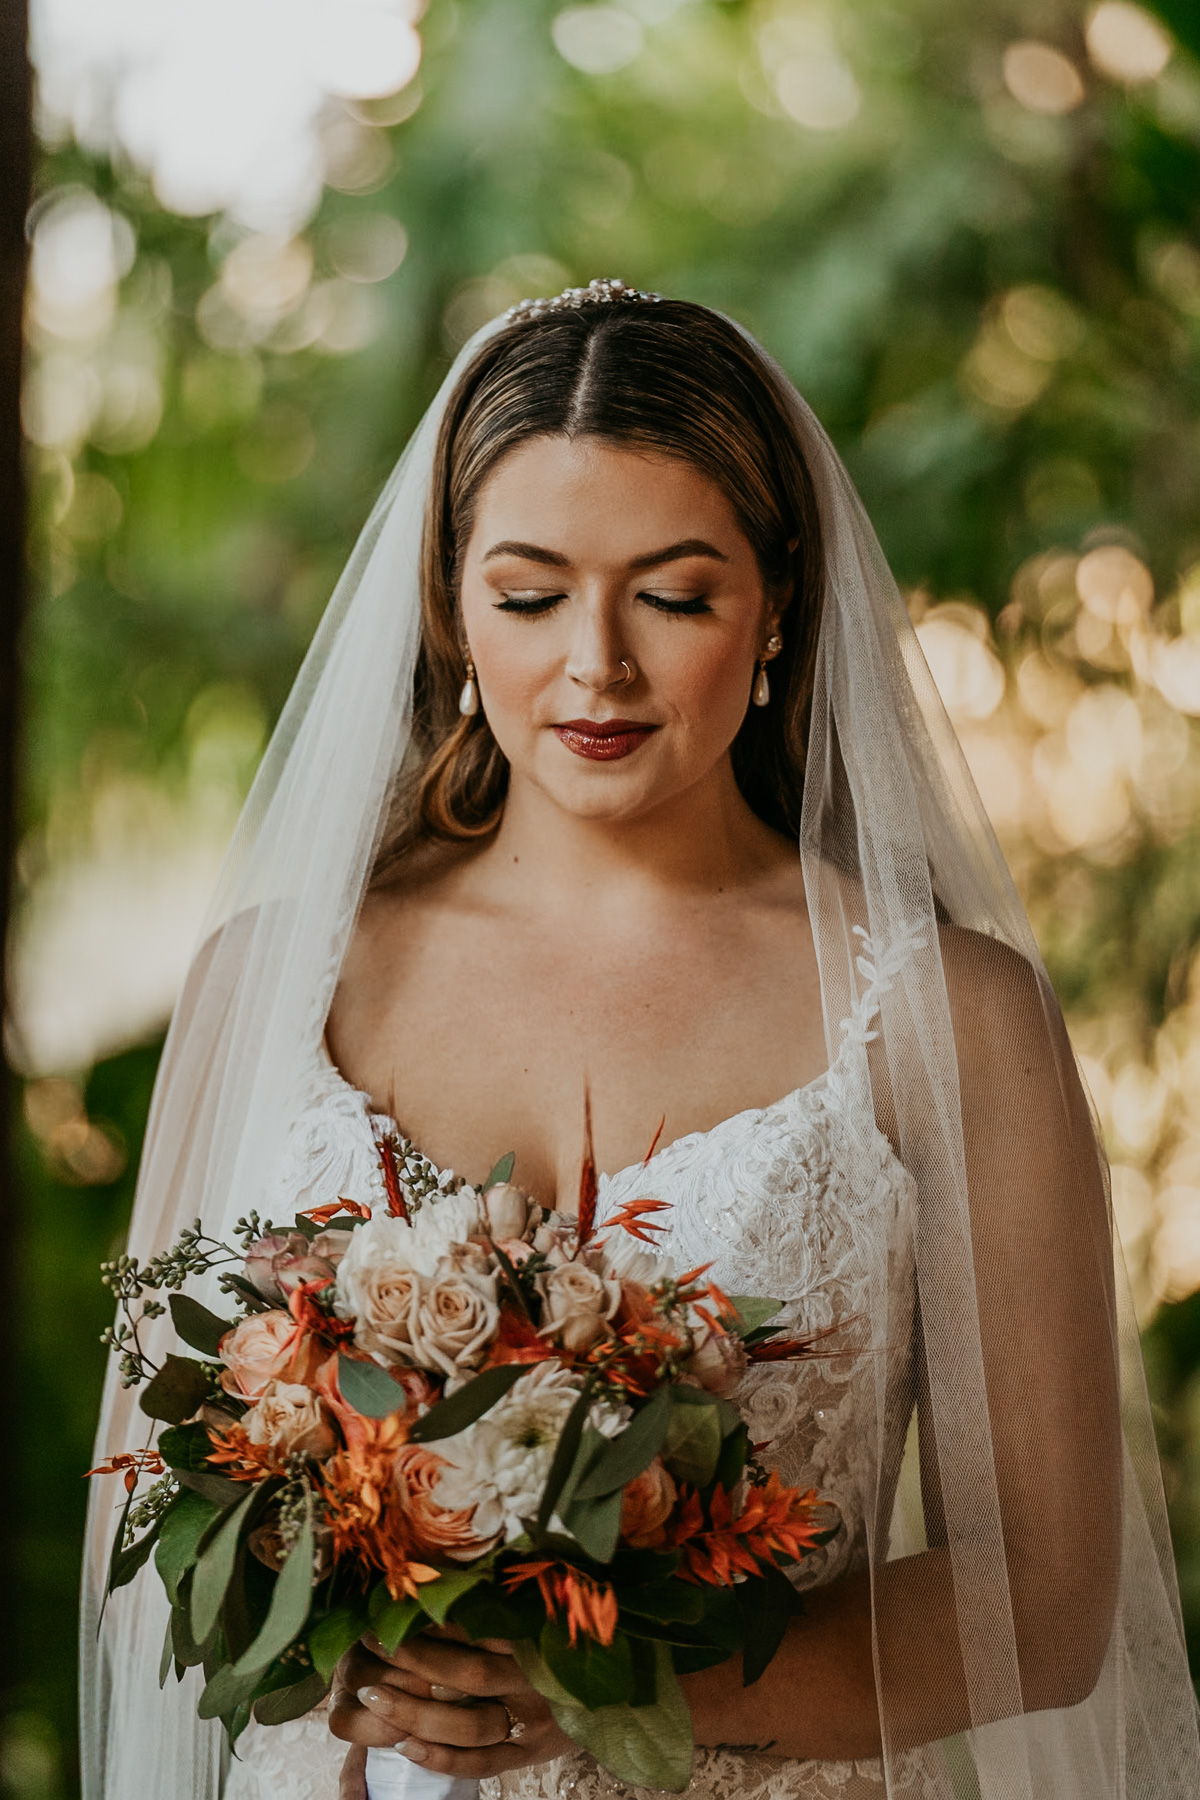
(437, 1530)
(646, 1506)
(517, 1340)
(133, 1463)
(590, 1606)
(774, 1521)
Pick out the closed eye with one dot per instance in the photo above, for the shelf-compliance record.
(668, 603)
(532, 604)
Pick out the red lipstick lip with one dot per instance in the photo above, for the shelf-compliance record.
(605, 740)
(603, 727)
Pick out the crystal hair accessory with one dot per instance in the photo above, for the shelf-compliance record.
(603, 291)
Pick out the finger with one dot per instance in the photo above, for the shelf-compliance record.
(358, 1669)
(464, 1727)
(352, 1782)
(355, 1724)
(466, 1765)
(446, 1663)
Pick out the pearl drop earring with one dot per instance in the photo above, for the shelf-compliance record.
(762, 687)
(468, 700)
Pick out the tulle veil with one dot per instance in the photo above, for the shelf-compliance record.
(976, 1631)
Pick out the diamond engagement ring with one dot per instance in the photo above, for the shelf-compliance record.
(516, 1727)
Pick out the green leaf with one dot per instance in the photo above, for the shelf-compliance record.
(188, 1653)
(668, 1601)
(766, 1604)
(331, 1637)
(596, 1524)
(693, 1442)
(126, 1564)
(649, 1746)
(285, 1703)
(593, 1673)
(225, 1691)
(290, 1604)
(459, 1410)
(178, 1390)
(394, 1621)
(732, 1460)
(625, 1457)
(488, 1612)
(236, 1722)
(754, 1310)
(202, 1329)
(437, 1597)
(183, 1526)
(214, 1569)
(565, 1453)
(369, 1389)
(167, 1657)
(185, 1446)
(217, 1488)
(248, 1294)
(502, 1171)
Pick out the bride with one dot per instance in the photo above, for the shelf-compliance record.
(615, 765)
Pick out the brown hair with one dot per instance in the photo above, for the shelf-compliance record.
(671, 377)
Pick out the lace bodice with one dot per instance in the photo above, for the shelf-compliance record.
(803, 1200)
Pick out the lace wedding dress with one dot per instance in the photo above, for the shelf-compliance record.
(781, 1200)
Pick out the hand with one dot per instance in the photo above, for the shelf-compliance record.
(444, 1703)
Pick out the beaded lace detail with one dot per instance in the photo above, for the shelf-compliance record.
(804, 1200)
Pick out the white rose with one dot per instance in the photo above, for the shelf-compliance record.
(499, 1464)
(577, 1302)
(456, 1316)
(291, 1419)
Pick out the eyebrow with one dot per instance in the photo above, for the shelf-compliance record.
(653, 559)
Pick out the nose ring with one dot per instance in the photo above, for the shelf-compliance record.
(630, 672)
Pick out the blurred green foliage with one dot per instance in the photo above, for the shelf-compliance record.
(993, 305)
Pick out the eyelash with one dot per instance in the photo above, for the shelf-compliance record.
(676, 608)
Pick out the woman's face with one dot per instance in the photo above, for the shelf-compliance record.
(615, 612)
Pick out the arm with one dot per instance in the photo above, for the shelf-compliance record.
(1043, 1270)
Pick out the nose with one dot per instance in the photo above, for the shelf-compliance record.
(595, 660)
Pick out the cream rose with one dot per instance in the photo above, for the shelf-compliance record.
(290, 1419)
(388, 1299)
(718, 1363)
(456, 1315)
(507, 1211)
(577, 1303)
(255, 1352)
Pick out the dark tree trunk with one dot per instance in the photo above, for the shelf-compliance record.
(15, 176)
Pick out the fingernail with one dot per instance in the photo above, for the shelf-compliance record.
(438, 1692)
(370, 1696)
(414, 1750)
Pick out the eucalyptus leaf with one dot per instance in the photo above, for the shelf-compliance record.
(133, 1557)
(178, 1545)
(502, 1171)
(214, 1569)
(625, 1456)
(290, 1604)
(185, 1447)
(178, 1390)
(565, 1453)
(369, 1389)
(459, 1410)
(214, 1487)
(167, 1657)
(648, 1746)
(596, 1524)
(202, 1329)
(224, 1691)
(284, 1703)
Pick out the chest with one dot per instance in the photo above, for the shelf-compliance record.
(482, 1040)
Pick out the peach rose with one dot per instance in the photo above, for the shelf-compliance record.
(291, 1419)
(438, 1530)
(507, 1211)
(577, 1304)
(646, 1506)
(255, 1352)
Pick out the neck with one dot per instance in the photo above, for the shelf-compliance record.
(701, 841)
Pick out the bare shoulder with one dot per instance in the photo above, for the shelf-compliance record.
(1008, 1028)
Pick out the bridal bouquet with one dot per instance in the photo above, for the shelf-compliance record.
(466, 1411)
